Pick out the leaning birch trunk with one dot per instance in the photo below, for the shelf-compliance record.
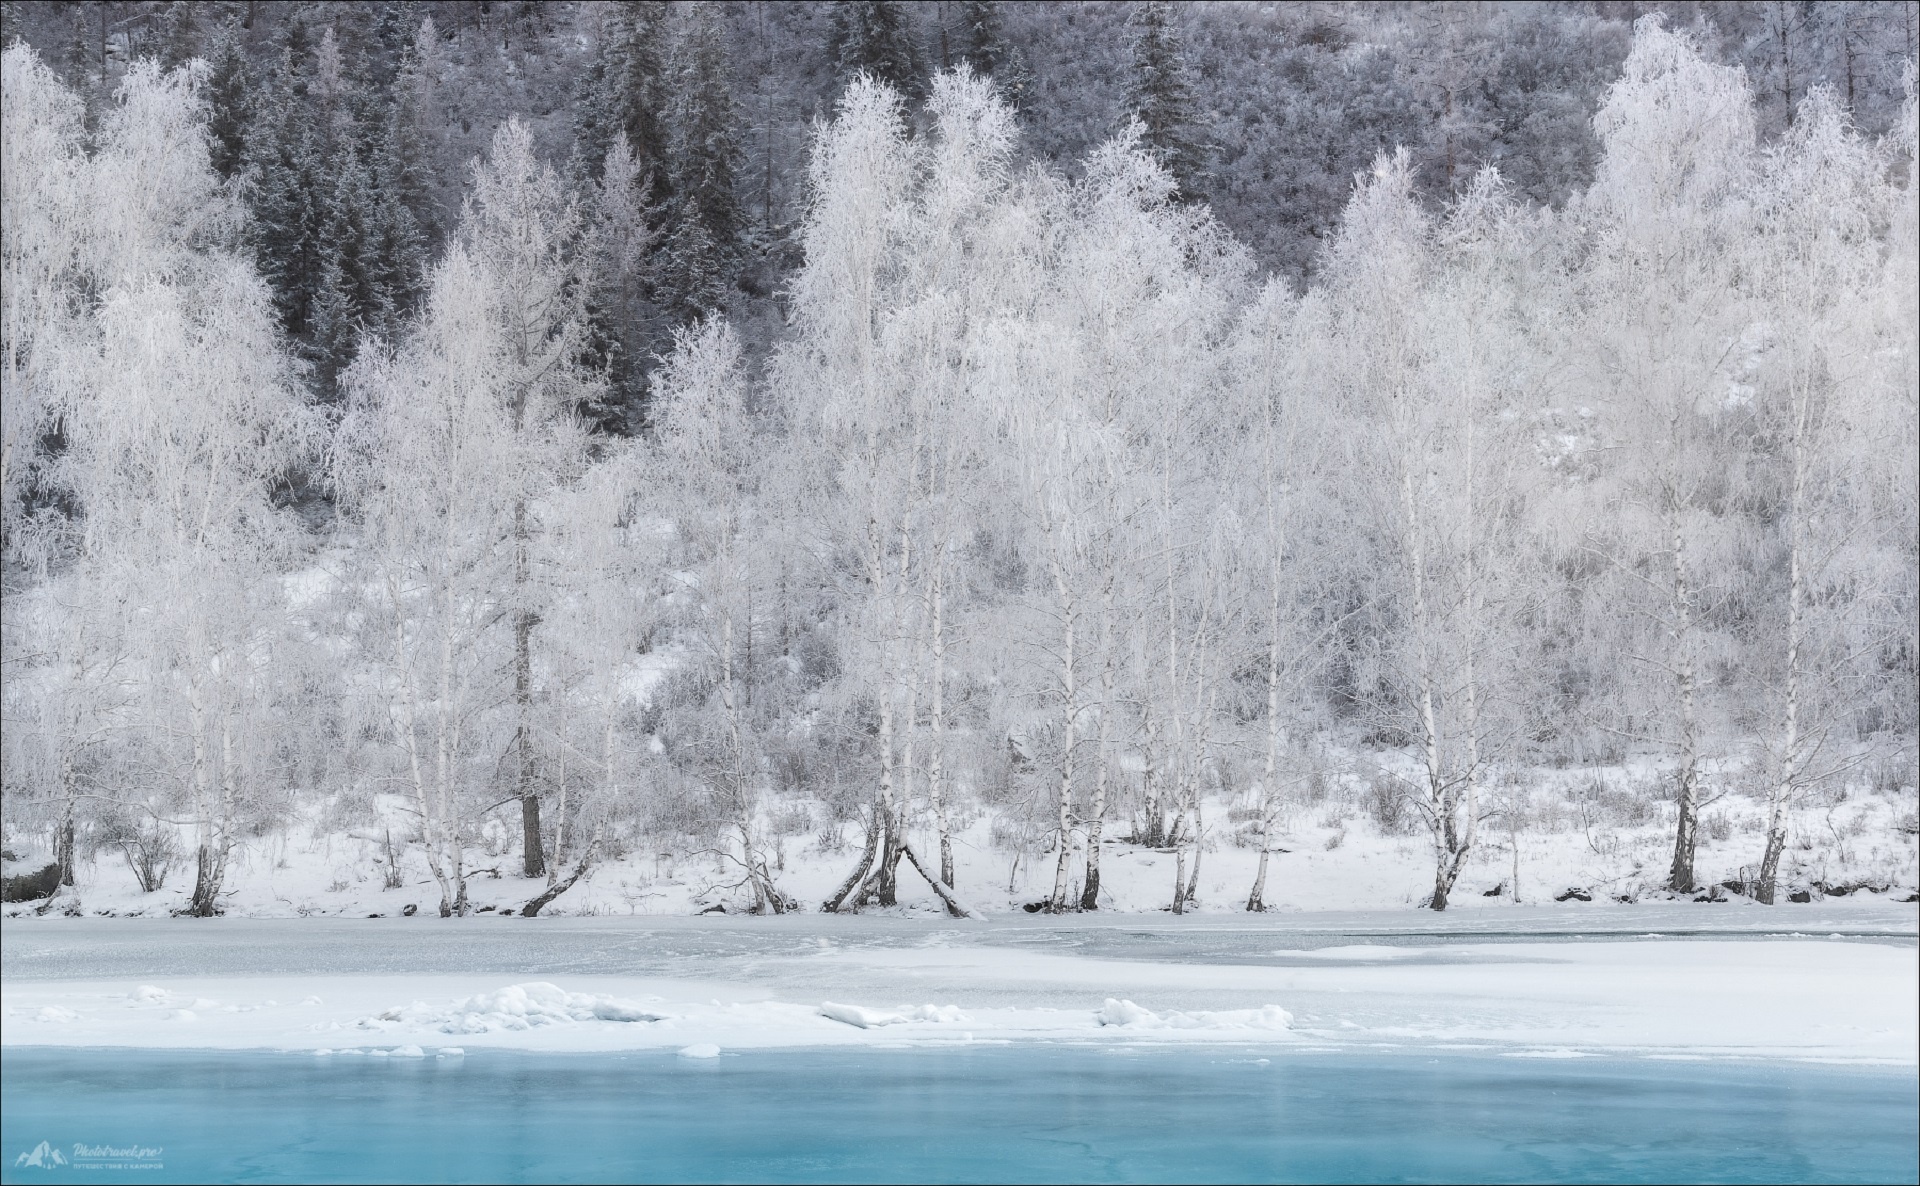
(555, 889)
(833, 904)
(954, 905)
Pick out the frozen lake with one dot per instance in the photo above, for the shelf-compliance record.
(1833, 984)
(1008, 1113)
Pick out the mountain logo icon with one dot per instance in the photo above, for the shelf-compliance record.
(42, 1156)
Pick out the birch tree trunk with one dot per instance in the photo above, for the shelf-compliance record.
(1680, 878)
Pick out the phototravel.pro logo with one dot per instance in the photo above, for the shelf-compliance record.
(92, 1157)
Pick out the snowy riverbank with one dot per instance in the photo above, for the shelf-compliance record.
(1664, 981)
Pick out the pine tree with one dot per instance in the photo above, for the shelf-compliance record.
(1160, 96)
(874, 37)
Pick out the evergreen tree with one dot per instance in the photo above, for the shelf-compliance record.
(76, 62)
(283, 153)
(229, 98)
(624, 92)
(874, 37)
(399, 250)
(620, 329)
(320, 226)
(592, 111)
(406, 152)
(641, 107)
(394, 28)
(179, 34)
(351, 294)
(703, 239)
(1160, 96)
(985, 50)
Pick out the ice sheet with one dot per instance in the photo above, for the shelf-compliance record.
(755, 983)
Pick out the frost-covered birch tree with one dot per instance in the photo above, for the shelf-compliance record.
(1822, 368)
(450, 443)
(1666, 219)
(181, 415)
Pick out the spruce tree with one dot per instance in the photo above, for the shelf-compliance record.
(77, 62)
(624, 93)
(399, 240)
(394, 27)
(703, 237)
(621, 329)
(984, 48)
(875, 38)
(350, 294)
(1160, 96)
(283, 153)
(322, 226)
(407, 162)
(179, 34)
(982, 45)
(593, 119)
(229, 98)
(640, 93)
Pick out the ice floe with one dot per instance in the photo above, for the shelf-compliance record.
(1126, 1013)
(855, 1015)
(515, 1007)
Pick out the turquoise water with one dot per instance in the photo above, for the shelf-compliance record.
(1023, 1113)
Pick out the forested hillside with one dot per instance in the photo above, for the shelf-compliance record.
(557, 442)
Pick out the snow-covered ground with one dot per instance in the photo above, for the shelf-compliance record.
(1672, 980)
(1336, 855)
